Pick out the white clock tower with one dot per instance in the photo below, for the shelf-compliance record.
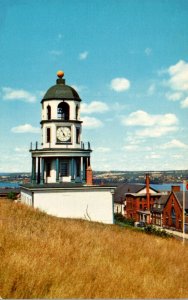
(63, 156)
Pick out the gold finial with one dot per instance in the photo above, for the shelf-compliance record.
(60, 74)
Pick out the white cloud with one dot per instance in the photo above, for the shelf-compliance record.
(102, 149)
(184, 103)
(177, 156)
(157, 131)
(94, 106)
(151, 89)
(118, 106)
(55, 52)
(148, 51)
(142, 118)
(91, 122)
(60, 36)
(120, 84)
(174, 96)
(26, 128)
(20, 150)
(15, 94)
(174, 144)
(130, 147)
(178, 76)
(83, 55)
(153, 156)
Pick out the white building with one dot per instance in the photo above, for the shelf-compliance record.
(61, 181)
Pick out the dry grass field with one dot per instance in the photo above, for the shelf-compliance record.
(47, 257)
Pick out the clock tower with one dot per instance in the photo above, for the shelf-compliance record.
(63, 156)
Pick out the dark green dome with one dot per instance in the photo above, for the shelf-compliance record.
(61, 91)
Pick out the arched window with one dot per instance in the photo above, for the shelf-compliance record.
(63, 111)
(77, 110)
(48, 112)
(173, 216)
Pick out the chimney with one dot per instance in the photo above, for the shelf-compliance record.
(175, 188)
(89, 176)
(147, 191)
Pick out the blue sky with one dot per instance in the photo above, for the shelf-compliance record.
(128, 60)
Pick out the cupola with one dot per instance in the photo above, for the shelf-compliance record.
(61, 91)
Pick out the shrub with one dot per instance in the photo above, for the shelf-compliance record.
(120, 218)
(11, 195)
(149, 229)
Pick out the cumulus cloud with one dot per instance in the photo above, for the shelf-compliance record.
(178, 76)
(130, 147)
(156, 132)
(151, 89)
(60, 36)
(153, 156)
(83, 55)
(91, 122)
(20, 150)
(103, 149)
(94, 107)
(174, 96)
(26, 128)
(184, 103)
(120, 84)
(174, 144)
(148, 51)
(55, 52)
(142, 118)
(16, 94)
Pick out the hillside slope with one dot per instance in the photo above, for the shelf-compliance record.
(48, 257)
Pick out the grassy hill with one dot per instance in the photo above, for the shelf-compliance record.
(46, 257)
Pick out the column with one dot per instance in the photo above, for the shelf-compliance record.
(57, 169)
(72, 170)
(33, 176)
(42, 171)
(81, 168)
(38, 173)
(84, 169)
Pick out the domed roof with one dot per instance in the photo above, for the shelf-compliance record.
(61, 91)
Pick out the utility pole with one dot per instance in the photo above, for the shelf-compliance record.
(183, 211)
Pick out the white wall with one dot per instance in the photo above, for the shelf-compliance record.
(94, 205)
(26, 197)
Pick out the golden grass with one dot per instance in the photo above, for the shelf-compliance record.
(47, 257)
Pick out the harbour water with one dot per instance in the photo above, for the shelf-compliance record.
(158, 187)
(166, 186)
(9, 184)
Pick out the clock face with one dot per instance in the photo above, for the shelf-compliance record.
(63, 134)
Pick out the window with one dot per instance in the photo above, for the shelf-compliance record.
(77, 135)
(173, 216)
(77, 109)
(77, 168)
(63, 111)
(48, 135)
(166, 218)
(64, 169)
(48, 169)
(48, 112)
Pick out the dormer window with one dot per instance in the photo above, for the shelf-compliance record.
(63, 111)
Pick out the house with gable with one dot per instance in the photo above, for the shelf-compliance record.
(119, 196)
(157, 210)
(173, 210)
